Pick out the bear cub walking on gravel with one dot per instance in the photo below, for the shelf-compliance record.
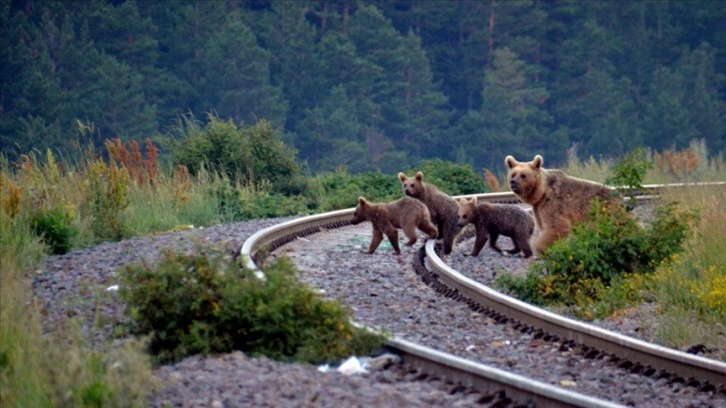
(405, 213)
(443, 208)
(492, 220)
(559, 201)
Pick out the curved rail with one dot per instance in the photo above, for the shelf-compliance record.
(484, 377)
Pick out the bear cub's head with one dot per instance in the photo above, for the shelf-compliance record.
(467, 211)
(412, 186)
(361, 211)
(524, 177)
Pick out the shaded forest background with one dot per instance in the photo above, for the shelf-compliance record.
(369, 85)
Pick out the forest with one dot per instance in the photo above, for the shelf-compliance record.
(369, 85)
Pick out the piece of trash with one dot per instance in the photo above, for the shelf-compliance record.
(568, 383)
(470, 348)
(352, 366)
(112, 288)
(324, 368)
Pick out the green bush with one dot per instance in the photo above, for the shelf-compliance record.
(342, 189)
(247, 155)
(56, 229)
(236, 205)
(628, 175)
(451, 178)
(609, 244)
(206, 303)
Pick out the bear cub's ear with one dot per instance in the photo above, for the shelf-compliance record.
(402, 177)
(361, 200)
(510, 162)
(419, 176)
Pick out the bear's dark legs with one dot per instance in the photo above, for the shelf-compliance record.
(410, 232)
(376, 239)
(392, 235)
(481, 240)
(493, 236)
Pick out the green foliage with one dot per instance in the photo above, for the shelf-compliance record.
(235, 204)
(342, 189)
(608, 246)
(248, 155)
(56, 229)
(204, 303)
(108, 197)
(451, 178)
(629, 173)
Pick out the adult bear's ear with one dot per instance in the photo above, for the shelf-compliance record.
(537, 162)
(361, 200)
(510, 162)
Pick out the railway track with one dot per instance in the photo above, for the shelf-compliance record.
(636, 356)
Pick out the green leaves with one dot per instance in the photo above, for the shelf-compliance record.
(206, 303)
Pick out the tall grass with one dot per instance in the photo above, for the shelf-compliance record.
(691, 288)
(693, 164)
(53, 369)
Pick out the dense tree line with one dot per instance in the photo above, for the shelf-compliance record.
(374, 84)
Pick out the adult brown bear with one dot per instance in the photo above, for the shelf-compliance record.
(558, 201)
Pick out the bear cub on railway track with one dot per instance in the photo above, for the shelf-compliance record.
(405, 213)
(558, 201)
(443, 208)
(490, 220)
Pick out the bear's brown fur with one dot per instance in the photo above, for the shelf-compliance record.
(558, 200)
(405, 213)
(443, 208)
(491, 220)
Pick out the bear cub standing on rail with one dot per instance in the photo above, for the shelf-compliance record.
(443, 208)
(558, 200)
(406, 213)
(492, 220)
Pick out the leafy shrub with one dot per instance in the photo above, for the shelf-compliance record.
(342, 189)
(206, 303)
(611, 243)
(246, 155)
(451, 178)
(56, 229)
(628, 175)
(235, 204)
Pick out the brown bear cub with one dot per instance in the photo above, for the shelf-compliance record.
(558, 200)
(444, 210)
(492, 220)
(405, 213)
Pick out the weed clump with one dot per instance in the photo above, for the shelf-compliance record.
(205, 303)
